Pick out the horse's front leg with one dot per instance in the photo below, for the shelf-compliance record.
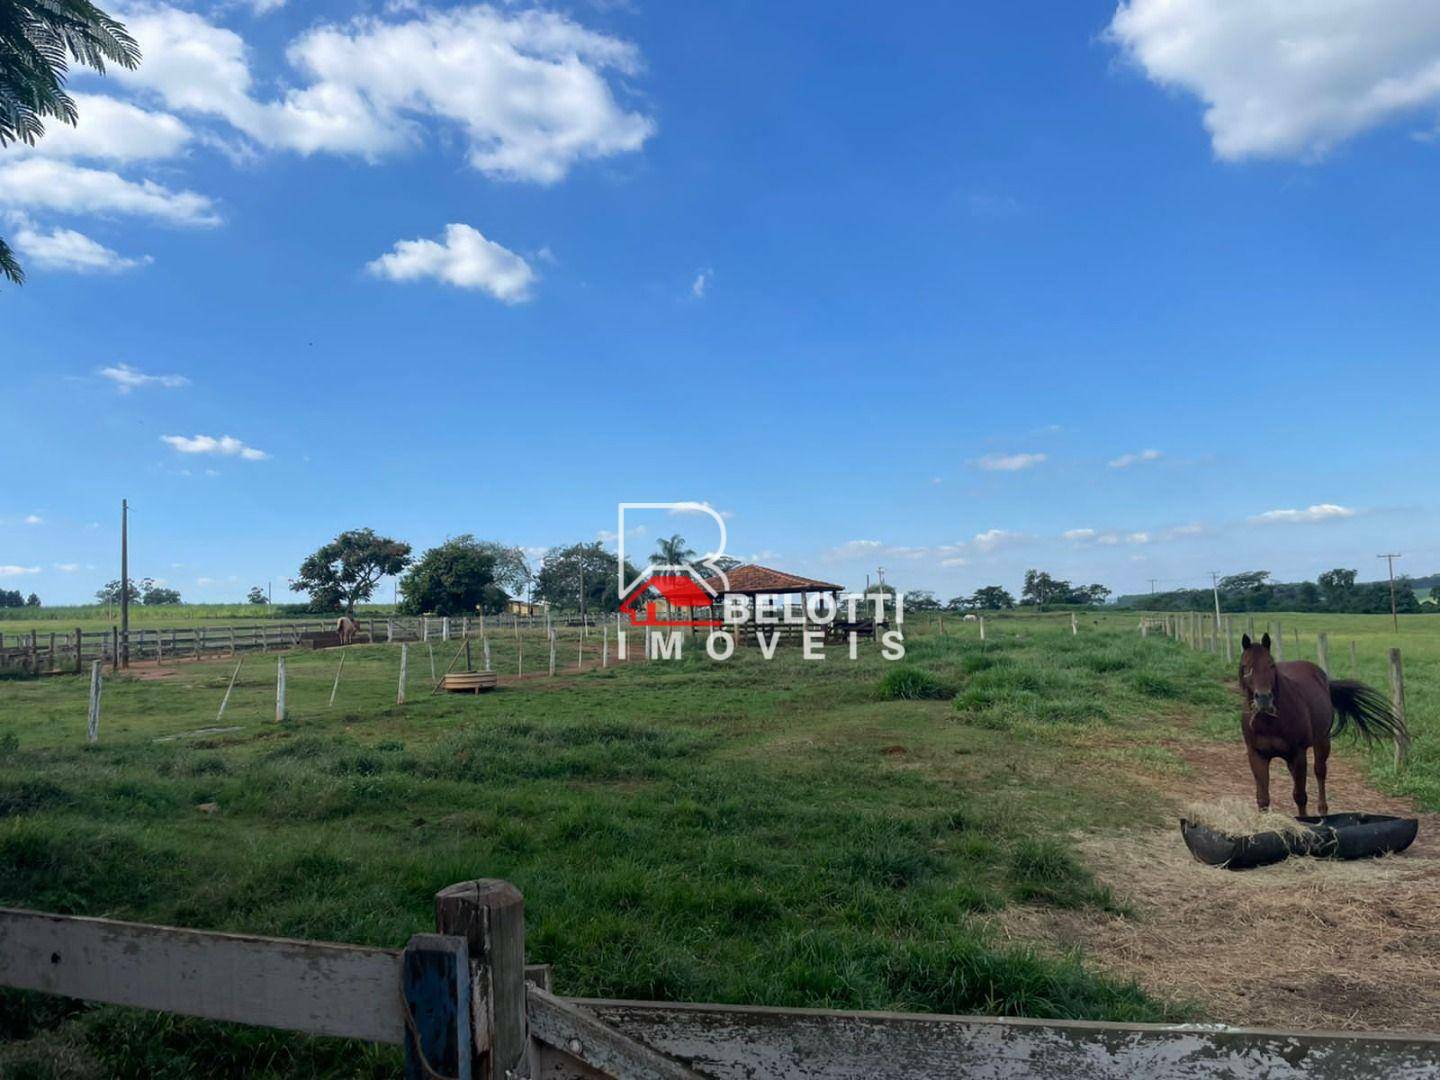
(1322, 755)
(1260, 769)
(1296, 763)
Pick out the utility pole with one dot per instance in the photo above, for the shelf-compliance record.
(1215, 589)
(124, 583)
(1390, 559)
(1153, 583)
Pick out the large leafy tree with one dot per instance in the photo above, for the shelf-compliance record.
(1041, 589)
(512, 569)
(992, 598)
(455, 578)
(345, 571)
(153, 594)
(109, 593)
(565, 568)
(38, 40)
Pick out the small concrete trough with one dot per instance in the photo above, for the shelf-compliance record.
(1334, 836)
(469, 682)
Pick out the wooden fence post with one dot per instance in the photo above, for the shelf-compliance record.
(1074, 625)
(1322, 652)
(226, 699)
(92, 733)
(604, 644)
(114, 648)
(982, 627)
(485, 644)
(339, 668)
(280, 690)
(1397, 703)
(436, 989)
(404, 666)
(1352, 657)
(552, 653)
(431, 650)
(79, 650)
(490, 916)
(1277, 642)
(1229, 642)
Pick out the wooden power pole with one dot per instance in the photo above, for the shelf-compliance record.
(124, 583)
(1390, 560)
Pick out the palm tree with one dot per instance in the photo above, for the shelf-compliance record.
(672, 551)
(38, 38)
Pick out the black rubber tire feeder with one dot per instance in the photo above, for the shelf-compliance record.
(1334, 836)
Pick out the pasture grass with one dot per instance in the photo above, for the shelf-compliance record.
(771, 833)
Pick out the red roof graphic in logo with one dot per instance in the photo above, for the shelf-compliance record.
(681, 590)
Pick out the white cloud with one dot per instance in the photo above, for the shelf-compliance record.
(1124, 461)
(1319, 512)
(66, 249)
(700, 284)
(34, 519)
(1283, 78)
(110, 130)
(1078, 534)
(40, 183)
(853, 549)
(466, 260)
(528, 90)
(16, 571)
(208, 444)
(67, 567)
(127, 378)
(1137, 538)
(264, 7)
(993, 539)
(1009, 462)
(955, 560)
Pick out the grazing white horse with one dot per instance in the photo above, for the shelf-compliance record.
(347, 628)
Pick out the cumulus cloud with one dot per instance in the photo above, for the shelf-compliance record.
(1009, 462)
(127, 378)
(1078, 534)
(465, 258)
(34, 519)
(43, 184)
(67, 567)
(994, 539)
(529, 91)
(1280, 78)
(1318, 512)
(1124, 461)
(108, 129)
(16, 571)
(854, 548)
(224, 446)
(66, 249)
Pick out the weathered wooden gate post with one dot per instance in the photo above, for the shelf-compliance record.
(490, 915)
(1322, 651)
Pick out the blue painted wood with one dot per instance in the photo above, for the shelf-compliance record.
(435, 976)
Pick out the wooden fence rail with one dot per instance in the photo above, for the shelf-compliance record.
(463, 1004)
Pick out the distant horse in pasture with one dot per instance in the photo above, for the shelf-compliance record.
(1292, 706)
(348, 629)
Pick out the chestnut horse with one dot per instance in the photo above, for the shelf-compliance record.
(1292, 706)
(348, 629)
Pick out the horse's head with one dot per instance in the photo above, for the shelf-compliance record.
(1258, 675)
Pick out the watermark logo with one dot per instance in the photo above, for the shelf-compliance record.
(664, 599)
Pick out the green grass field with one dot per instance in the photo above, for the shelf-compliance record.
(786, 833)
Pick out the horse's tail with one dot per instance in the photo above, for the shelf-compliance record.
(1367, 707)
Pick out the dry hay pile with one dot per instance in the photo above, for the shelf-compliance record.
(1235, 817)
(1306, 943)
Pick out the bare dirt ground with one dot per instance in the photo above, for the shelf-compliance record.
(1307, 943)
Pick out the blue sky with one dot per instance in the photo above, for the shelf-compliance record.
(1124, 293)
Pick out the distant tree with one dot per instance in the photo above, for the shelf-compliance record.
(345, 571)
(453, 578)
(10, 598)
(563, 569)
(256, 595)
(1338, 586)
(32, 600)
(109, 593)
(992, 598)
(1089, 594)
(672, 551)
(512, 569)
(38, 38)
(153, 595)
(958, 604)
(921, 600)
(1041, 589)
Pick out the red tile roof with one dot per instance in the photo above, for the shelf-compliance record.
(751, 579)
